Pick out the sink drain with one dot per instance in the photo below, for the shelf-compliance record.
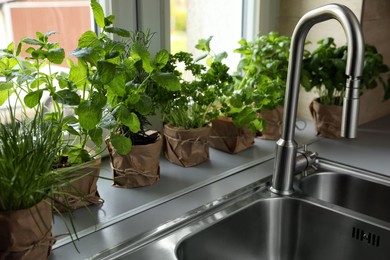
(369, 237)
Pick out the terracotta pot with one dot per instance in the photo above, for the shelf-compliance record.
(140, 167)
(273, 123)
(327, 119)
(26, 234)
(81, 191)
(227, 137)
(186, 147)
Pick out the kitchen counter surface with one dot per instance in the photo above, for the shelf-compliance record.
(127, 213)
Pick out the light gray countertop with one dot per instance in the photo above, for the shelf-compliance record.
(130, 212)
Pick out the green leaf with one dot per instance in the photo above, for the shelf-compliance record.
(118, 31)
(237, 101)
(109, 20)
(121, 144)
(87, 54)
(220, 56)
(204, 44)
(19, 49)
(96, 135)
(117, 85)
(30, 50)
(40, 36)
(39, 54)
(244, 117)
(133, 99)
(99, 99)
(77, 155)
(140, 52)
(63, 81)
(71, 130)
(98, 13)
(113, 54)
(256, 125)
(78, 75)
(50, 33)
(88, 39)
(4, 94)
(145, 105)
(32, 41)
(67, 97)
(10, 48)
(89, 115)
(161, 59)
(33, 98)
(129, 119)
(5, 85)
(51, 116)
(167, 80)
(106, 71)
(56, 56)
(36, 83)
(28, 66)
(70, 120)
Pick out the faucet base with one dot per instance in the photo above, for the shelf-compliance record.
(281, 192)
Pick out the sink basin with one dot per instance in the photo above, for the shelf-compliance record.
(362, 192)
(287, 228)
(338, 213)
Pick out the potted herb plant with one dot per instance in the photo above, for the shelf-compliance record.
(260, 82)
(34, 82)
(188, 112)
(28, 183)
(125, 71)
(324, 72)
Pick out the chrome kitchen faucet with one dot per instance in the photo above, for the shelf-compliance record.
(286, 147)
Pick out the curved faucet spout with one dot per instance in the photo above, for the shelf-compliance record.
(286, 147)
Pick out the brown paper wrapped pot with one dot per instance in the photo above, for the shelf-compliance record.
(273, 123)
(327, 119)
(186, 147)
(140, 167)
(227, 137)
(82, 189)
(26, 234)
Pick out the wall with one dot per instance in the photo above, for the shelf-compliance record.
(376, 22)
(371, 15)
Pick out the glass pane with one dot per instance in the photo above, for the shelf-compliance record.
(192, 20)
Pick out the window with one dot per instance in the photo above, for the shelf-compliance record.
(24, 18)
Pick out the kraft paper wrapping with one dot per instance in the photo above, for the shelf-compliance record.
(186, 147)
(273, 123)
(227, 137)
(140, 167)
(26, 234)
(82, 189)
(327, 119)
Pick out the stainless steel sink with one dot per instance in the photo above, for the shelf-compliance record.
(288, 228)
(254, 223)
(355, 189)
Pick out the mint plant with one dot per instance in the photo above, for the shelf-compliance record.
(35, 84)
(123, 73)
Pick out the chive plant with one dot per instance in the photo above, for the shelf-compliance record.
(28, 149)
